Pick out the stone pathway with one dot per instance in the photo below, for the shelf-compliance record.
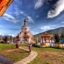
(28, 59)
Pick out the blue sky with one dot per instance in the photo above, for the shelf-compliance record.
(43, 15)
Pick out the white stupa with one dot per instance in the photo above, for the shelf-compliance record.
(25, 34)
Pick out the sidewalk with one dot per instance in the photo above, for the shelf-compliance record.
(28, 59)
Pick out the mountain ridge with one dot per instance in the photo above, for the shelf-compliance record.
(59, 30)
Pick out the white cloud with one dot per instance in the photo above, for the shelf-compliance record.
(59, 7)
(0, 33)
(23, 13)
(30, 19)
(12, 35)
(34, 32)
(9, 17)
(45, 28)
(39, 3)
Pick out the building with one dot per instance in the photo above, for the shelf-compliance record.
(6, 39)
(25, 34)
(47, 38)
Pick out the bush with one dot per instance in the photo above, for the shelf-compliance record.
(1, 41)
(35, 45)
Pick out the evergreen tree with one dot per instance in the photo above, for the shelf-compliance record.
(62, 36)
(5, 39)
(57, 38)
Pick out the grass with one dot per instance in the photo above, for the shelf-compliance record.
(15, 55)
(48, 56)
(7, 46)
(9, 51)
(45, 55)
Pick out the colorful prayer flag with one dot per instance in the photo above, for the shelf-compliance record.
(4, 4)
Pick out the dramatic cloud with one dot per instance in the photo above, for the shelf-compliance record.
(39, 3)
(59, 7)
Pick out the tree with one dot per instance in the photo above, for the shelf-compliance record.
(62, 36)
(5, 39)
(57, 38)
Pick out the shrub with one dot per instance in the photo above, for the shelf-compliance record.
(35, 45)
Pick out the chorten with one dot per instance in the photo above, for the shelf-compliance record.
(25, 34)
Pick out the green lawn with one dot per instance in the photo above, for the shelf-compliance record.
(16, 55)
(7, 46)
(9, 51)
(49, 56)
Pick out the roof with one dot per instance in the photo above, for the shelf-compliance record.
(47, 35)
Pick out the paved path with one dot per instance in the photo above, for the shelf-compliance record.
(28, 59)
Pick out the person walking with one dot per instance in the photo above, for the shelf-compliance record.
(30, 47)
(17, 42)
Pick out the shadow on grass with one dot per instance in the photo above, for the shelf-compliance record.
(4, 60)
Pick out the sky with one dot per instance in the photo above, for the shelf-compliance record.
(43, 15)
